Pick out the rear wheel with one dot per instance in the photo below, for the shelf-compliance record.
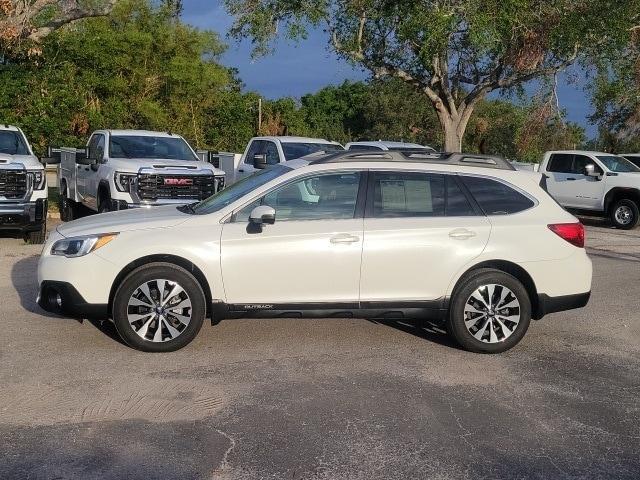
(490, 312)
(624, 214)
(159, 307)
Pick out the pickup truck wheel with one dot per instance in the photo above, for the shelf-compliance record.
(159, 307)
(624, 214)
(104, 205)
(490, 312)
(37, 237)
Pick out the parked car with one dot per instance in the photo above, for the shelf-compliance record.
(23, 187)
(387, 146)
(281, 149)
(121, 169)
(463, 239)
(594, 183)
(632, 157)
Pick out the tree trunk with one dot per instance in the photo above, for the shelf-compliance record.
(453, 128)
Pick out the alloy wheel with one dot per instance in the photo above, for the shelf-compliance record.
(623, 214)
(159, 310)
(492, 313)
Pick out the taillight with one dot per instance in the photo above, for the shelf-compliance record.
(571, 232)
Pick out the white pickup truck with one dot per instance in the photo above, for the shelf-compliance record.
(264, 151)
(121, 169)
(23, 187)
(594, 183)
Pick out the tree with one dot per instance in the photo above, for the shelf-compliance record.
(454, 52)
(32, 20)
(136, 68)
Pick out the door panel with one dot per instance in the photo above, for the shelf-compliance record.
(292, 262)
(588, 191)
(312, 252)
(560, 178)
(415, 258)
(414, 240)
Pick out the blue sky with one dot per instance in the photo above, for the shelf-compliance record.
(298, 68)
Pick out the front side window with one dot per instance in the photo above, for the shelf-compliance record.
(149, 147)
(407, 194)
(496, 198)
(271, 153)
(254, 149)
(12, 143)
(321, 197)
(293, 150)
(618, 164)
(580, 163)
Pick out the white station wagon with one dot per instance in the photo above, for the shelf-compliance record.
(460, 238)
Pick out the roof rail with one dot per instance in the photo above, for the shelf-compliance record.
(410, 155)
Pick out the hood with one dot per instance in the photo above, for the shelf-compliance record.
(125, 220)
(30, 162)
(134, 164)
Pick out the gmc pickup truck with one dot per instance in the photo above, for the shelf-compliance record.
(121, 169)
(23, 187)
(594, 183)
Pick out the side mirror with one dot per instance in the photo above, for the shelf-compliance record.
(590, 170)
(259, 161)
(262, 215)
(54, 156)
(83, 156)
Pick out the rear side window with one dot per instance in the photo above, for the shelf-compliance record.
(560, 163)
(457, 204)
(496, 198)
(408, 195)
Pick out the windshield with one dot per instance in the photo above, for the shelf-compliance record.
(12, 143)
(297, 150)
(617, 164)
(238, 190)
(141, 146)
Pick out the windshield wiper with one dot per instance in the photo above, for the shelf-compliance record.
(188, 208)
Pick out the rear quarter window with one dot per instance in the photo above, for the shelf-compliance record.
(496, 198)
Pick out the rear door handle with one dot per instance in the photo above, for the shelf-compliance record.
(344, 238)
(461, 234)
(240, 170)
(570, 178)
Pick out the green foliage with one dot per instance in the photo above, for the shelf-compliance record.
(137, 68)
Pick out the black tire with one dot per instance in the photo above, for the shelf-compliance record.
(129, 287)
(104, 202)
(68, 208)
(456, 321)
(624, 214)
(38, 237)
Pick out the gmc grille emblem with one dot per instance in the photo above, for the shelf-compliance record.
(178, 181)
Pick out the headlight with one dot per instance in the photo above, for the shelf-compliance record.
(124, 181)
(38, 179)
(219, 183)
(79, 246)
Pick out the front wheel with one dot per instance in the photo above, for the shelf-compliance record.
(490, 312)
(159, 307)
(624, 214)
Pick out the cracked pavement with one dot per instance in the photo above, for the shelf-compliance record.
(326, 399)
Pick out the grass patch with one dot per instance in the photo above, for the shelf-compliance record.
(54, 199)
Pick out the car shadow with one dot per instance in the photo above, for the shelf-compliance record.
(23, 278)
(424, 329)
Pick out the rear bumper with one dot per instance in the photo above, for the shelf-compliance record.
(547, 304)
(24, 216)
(62, 298)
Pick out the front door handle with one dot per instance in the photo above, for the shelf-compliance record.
(344, 238)
(461, 234)
(570, 178)
(241, 170)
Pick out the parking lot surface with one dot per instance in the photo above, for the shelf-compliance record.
(335, 399)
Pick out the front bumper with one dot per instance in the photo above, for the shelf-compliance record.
(24, 216)
(62, 298)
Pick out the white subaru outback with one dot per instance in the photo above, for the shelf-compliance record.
(460, 238)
